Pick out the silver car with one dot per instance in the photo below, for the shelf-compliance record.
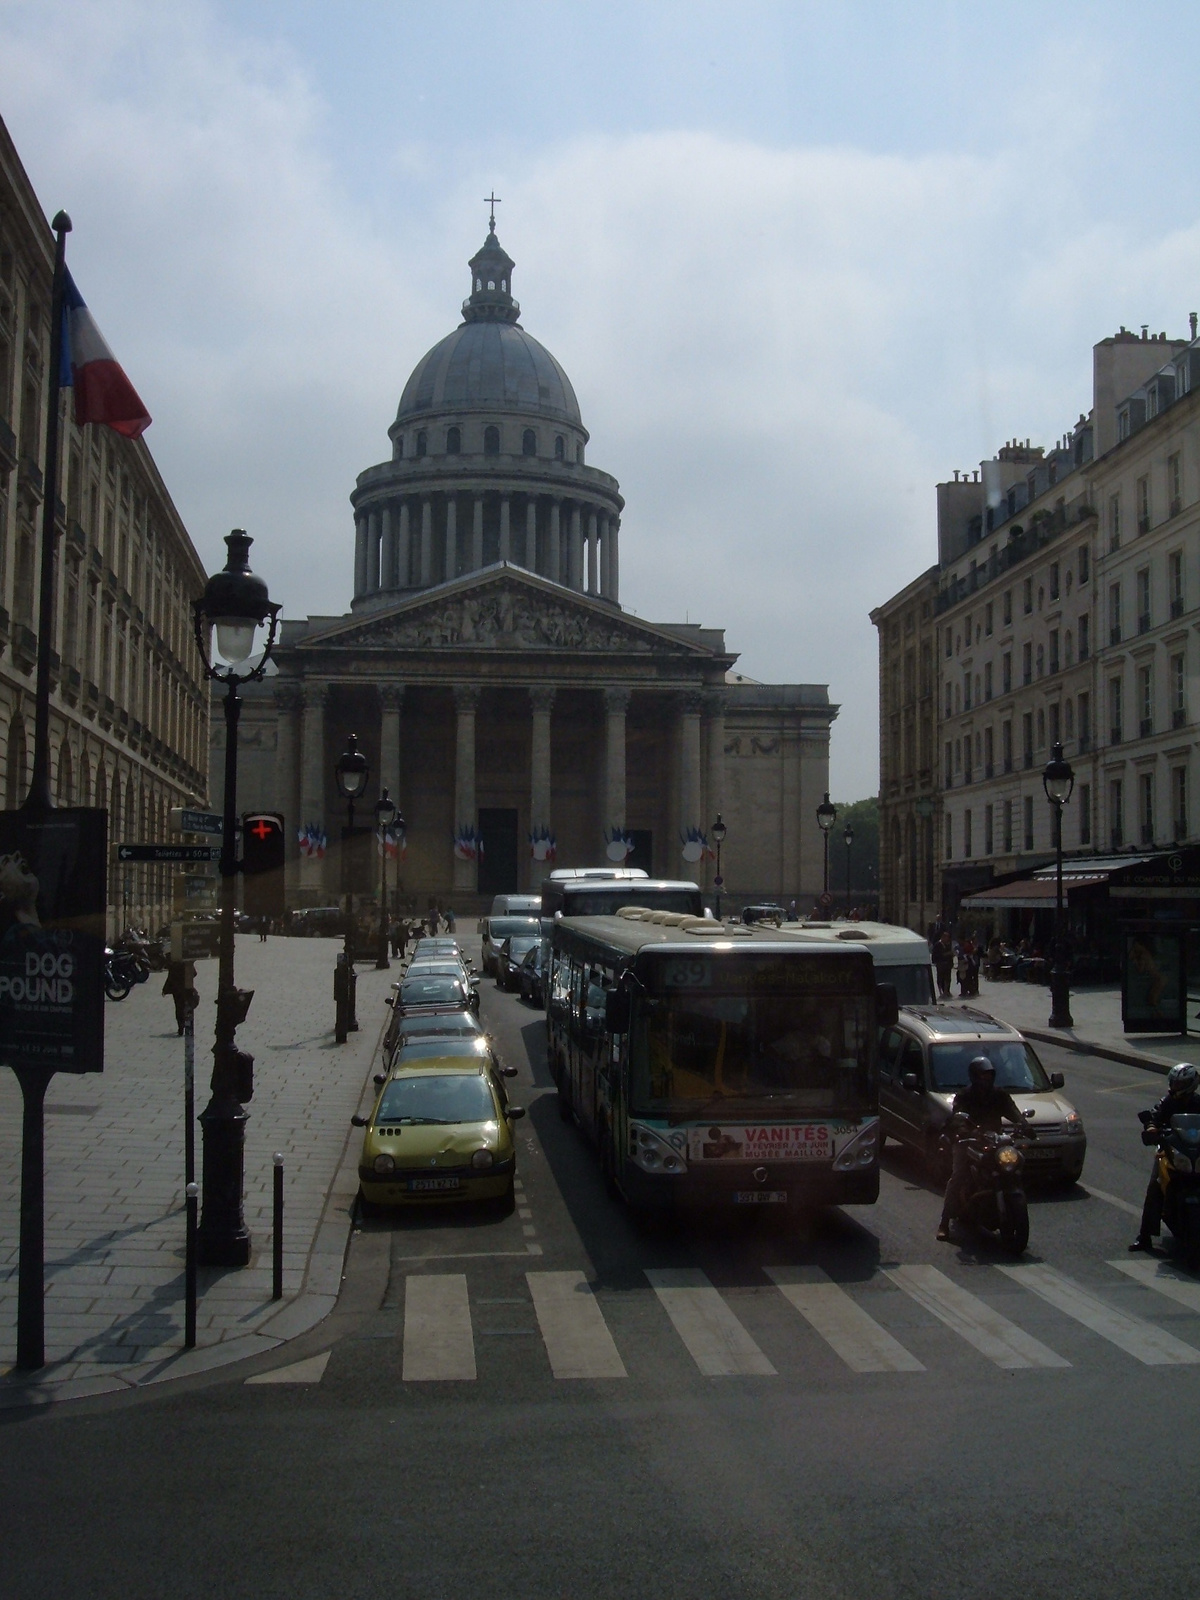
(923, 1061)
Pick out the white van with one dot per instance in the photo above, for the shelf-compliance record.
(901, 956)
(516, 905)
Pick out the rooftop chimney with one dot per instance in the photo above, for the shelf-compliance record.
(1192, 318)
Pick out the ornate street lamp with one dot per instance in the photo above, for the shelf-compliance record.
(718, 831)
(351, 771)
(385, 815)
(235, 604)
(1058, 780)
(826, 817)
(848, 836)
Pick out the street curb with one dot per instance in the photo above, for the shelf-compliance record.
(1089, 1047)
(317, 1298)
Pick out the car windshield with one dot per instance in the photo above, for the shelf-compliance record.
(1017, 1068)
(433, 969)
(432, 990)
(437, 1098)
(453, 1044)
(519, 948)
(449, 1022)
(504, 927)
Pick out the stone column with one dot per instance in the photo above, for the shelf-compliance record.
(614, 566)
(477, 535)
(373, 552)
(451, 537)
(554, 555)
(689, 761)
(592, 535)
(360, 554)
(575, 569)
(616, 704)
(391, 704)
(387, 550)
(541, 703)
(312, 784)
(404, 550)
(289, 700)
(505, 528)
(531, 534)
(426, 542)
(466, 698)
(714, 703)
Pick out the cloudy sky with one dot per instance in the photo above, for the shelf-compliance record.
(800, 260)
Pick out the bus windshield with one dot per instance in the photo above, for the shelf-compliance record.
(693, 1053)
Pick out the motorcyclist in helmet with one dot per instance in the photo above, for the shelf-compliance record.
(1183, 1094)
(982, 1106)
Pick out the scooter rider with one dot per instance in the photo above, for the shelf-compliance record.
(1183, 1095)
(984, 1107)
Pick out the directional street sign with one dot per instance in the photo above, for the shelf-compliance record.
(185, 821)
(169, 852)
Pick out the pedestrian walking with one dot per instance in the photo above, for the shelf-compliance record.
(180, 984)
(450, 919)
(943, 965)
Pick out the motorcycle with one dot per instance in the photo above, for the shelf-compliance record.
(995, 1191)
(1178, 1171)
(119, 974)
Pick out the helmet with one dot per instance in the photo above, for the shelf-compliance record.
(1183, 1079)
(982, 1072)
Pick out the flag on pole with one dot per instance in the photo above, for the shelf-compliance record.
(102, 391)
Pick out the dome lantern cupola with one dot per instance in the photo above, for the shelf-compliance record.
(491, 297)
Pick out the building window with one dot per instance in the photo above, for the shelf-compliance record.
(1007, 607)
(1006, 745)
(1085, 813)
(1175, 483)
(987, 619)
(1008, 827)
(966, 691)
(949, 701)
(1143, 504)
(1026, 663)
(1041, 661)
(453, 442)
(1146, 806)
(949, 764)
(1028, 821)
(1178, 691)
(1114, 522)
(1027, 738)
(1027, 596)
(1143, 600)
(968, 769)
(560, 447)
(968, 849)
(988, 842)
(1145, 693)
(1114, 613)
(1175, 582)
(1084, 563)
(1069, 648)
(1085, 729)
(1069, 720)
(987, 681)
(1055, 719)
(988, 755)
(1054, 580)
(529, 443)
(1179, 816)
(422, 442)
(1006, 672)
(1053, 649)
(1116, 813)
(1041, 729)
(949, 643)
(491, 441)
(1115, 721)
(1085, 636)
(949, 840)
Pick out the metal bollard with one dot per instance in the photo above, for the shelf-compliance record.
(189, 1271)
(277, 1251)
(340, 1001)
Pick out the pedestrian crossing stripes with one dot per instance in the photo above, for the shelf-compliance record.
(439, 1336)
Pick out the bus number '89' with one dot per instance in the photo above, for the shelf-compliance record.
(685, 974)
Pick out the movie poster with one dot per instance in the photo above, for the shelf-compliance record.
(52, 914)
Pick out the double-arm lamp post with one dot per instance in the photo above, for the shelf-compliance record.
(351, 772)
(1058, 780)
(826, 817)
(718, 831)
(385, 815)
(235, 604)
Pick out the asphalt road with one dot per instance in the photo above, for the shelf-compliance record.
(1049, 1454)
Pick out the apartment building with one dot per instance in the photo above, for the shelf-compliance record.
(129, 708)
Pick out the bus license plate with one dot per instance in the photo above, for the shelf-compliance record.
(433, 1183)
(760, 1197)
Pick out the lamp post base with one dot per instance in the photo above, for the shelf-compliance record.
(1060, 999)
(223, 1239)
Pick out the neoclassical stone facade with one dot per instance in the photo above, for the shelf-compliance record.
(493, 679)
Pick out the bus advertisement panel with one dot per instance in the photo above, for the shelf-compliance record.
(714, 1070)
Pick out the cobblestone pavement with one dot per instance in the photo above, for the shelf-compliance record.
(115, 1175)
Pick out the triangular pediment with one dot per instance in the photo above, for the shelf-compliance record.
(501, 608)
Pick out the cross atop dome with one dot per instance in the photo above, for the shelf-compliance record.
(492, 200)
(491, 297)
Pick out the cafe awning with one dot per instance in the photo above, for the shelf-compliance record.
(1039, 892)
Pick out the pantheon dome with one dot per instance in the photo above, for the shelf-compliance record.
(488, 463)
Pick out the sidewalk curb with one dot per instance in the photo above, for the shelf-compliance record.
(1088, 1047)
(317, 1298)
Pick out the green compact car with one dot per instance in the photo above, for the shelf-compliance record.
(439, 1133)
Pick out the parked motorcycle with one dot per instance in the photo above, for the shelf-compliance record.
(1178, 1172)
(119, 973)
(996, 1201)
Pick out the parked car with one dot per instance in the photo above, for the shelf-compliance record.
(510, 956)
(439, 1133)
(533, 975)
(516, 905)
(763, 913)
(317, 922)
(923, 1060)
(402, 1030)
(496, 929)
(443, 991)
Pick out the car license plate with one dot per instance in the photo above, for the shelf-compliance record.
(760, 1197)
(433, 1183)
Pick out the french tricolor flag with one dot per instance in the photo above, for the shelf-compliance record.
(102, 391)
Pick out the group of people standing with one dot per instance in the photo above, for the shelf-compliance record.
(946, 952)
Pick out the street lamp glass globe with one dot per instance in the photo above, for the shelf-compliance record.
(1058, 779)
(351, 770)
(826, 814)
(719, 830)
(385, 810)
(235, 639)
(848, 836)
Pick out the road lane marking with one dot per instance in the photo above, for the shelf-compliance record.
(993, 1335)
(1142, 1340)
(573, 1328)
(1164, 1279)
(310, 1370)
(715, 1339)
(1114, 1200)
(853, 1335)
(438, 1343)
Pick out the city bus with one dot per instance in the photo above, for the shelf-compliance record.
(599, 893)
(713, 1065)
(901, 956)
